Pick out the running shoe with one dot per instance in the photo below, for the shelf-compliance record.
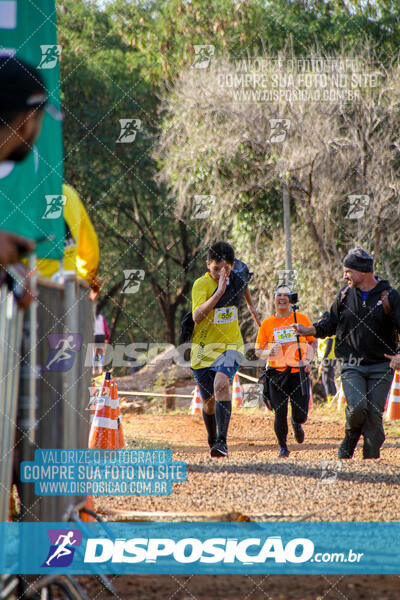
(348, 445)
(298, 432)
(283, 452)
(219, 449)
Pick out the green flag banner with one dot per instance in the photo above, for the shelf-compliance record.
(31, 198)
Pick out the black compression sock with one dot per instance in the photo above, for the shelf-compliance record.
(211, 426)
(223, 415)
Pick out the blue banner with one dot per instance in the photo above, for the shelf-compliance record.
(103, 472)
(200, 548)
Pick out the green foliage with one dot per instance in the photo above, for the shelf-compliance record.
(118, 59)
(331, 151)
(162, 32)
(102, 83)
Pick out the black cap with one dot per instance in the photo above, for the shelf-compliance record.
(21, 85)
(359, 260)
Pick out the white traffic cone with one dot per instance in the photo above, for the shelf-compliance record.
(196, 405)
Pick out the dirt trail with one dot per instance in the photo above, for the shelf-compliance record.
(248, 587)
(254, 483)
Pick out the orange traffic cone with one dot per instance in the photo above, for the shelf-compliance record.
(237, 392)
(104, 431)
(393, 410)
(341, 398)
(94, 392)
(85, 517)
(196, 405)
(114, 396)
(105, 419)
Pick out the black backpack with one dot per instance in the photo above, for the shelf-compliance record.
(187, 328)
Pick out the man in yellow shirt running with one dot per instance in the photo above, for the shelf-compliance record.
(217, 344)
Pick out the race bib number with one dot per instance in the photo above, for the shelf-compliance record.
(284, 335)
(228, 314)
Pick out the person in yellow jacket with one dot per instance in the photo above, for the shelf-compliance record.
(81, 247)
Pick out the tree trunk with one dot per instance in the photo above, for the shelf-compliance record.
(169, 318)
(116, 317)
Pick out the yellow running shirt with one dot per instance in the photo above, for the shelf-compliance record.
(218, 332)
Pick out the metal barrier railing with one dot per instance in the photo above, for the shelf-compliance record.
(56, 415)
(43, 407)
(10, 343)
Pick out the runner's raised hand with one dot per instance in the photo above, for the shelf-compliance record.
(222, 280)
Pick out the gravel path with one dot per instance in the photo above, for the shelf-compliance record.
(252, 483)
(248, 587)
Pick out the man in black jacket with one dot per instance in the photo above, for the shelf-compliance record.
(364, 317)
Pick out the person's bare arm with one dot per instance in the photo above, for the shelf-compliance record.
(203, 310)
(267, 353)
(300, 329)
(251, 307)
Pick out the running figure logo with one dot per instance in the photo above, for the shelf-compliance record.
(202, 206)
(54, 206)
(358, 204)
(279, 130)
(129, 129)
(60, 551)
(252, 397)
(63, 347)
(330, 469)
(95, 399)
(287, 277)
(203, 54)
(50, 56)
(133, 279)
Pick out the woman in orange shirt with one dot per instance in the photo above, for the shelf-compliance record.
(277, 342)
